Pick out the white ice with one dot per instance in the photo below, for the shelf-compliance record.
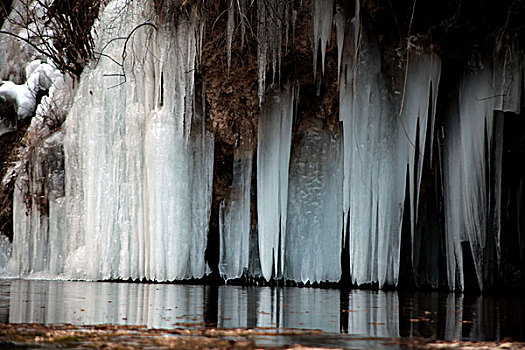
(273, 159)
(235, 218)
(380, 129)
(314, 220)
(138, 164)
(468, 167)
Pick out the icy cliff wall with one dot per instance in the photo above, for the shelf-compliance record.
(138, 156)
(372, 172)
(388, 130)
(138, 162)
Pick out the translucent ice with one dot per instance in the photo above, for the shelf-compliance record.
(384, 141)
(273, 159)
(467, 171)
(314, 220)
(138, 164)
(322, 11)
(235, 215)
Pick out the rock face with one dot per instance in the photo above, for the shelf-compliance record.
(386, 162)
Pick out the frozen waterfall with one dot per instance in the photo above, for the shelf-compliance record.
(123, 189)
(138, 163)
(138, 167)
(384, 141)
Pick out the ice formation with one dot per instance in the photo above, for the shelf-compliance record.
(124, 189)
(322, 11)
(235, 218)
(273, 159)
(144, 158)
(384, 150)
(38, 203)
(39, 212)
(274, 18)
(138, 166)
(299, 199)
(384, 142)
(237, 15)
(472, 168)
(314, 218)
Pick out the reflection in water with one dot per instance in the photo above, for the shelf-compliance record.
(157, 306)
(358, 312)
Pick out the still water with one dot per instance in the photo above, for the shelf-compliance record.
(341, 313)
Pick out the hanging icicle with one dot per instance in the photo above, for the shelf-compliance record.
(273, 158)
(235, 216)
(384, 134)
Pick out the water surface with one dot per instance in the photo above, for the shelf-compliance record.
(345, 315)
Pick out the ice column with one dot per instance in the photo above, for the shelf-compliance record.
(235, 218)
(465, 172)
(314, 221)
(39, 211)
(418, 105)
(273, 159)
(473, 161)
(384, 140)
(139, 164)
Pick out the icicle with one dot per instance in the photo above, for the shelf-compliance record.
(349, 51)
(322, 12)
(375, 184)
(340, 24)
(273, 157)
(423, 73)
(201, 159)
(236, 218)
(272, 21)
(230, 26)
(379, 144)
(466, 197)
